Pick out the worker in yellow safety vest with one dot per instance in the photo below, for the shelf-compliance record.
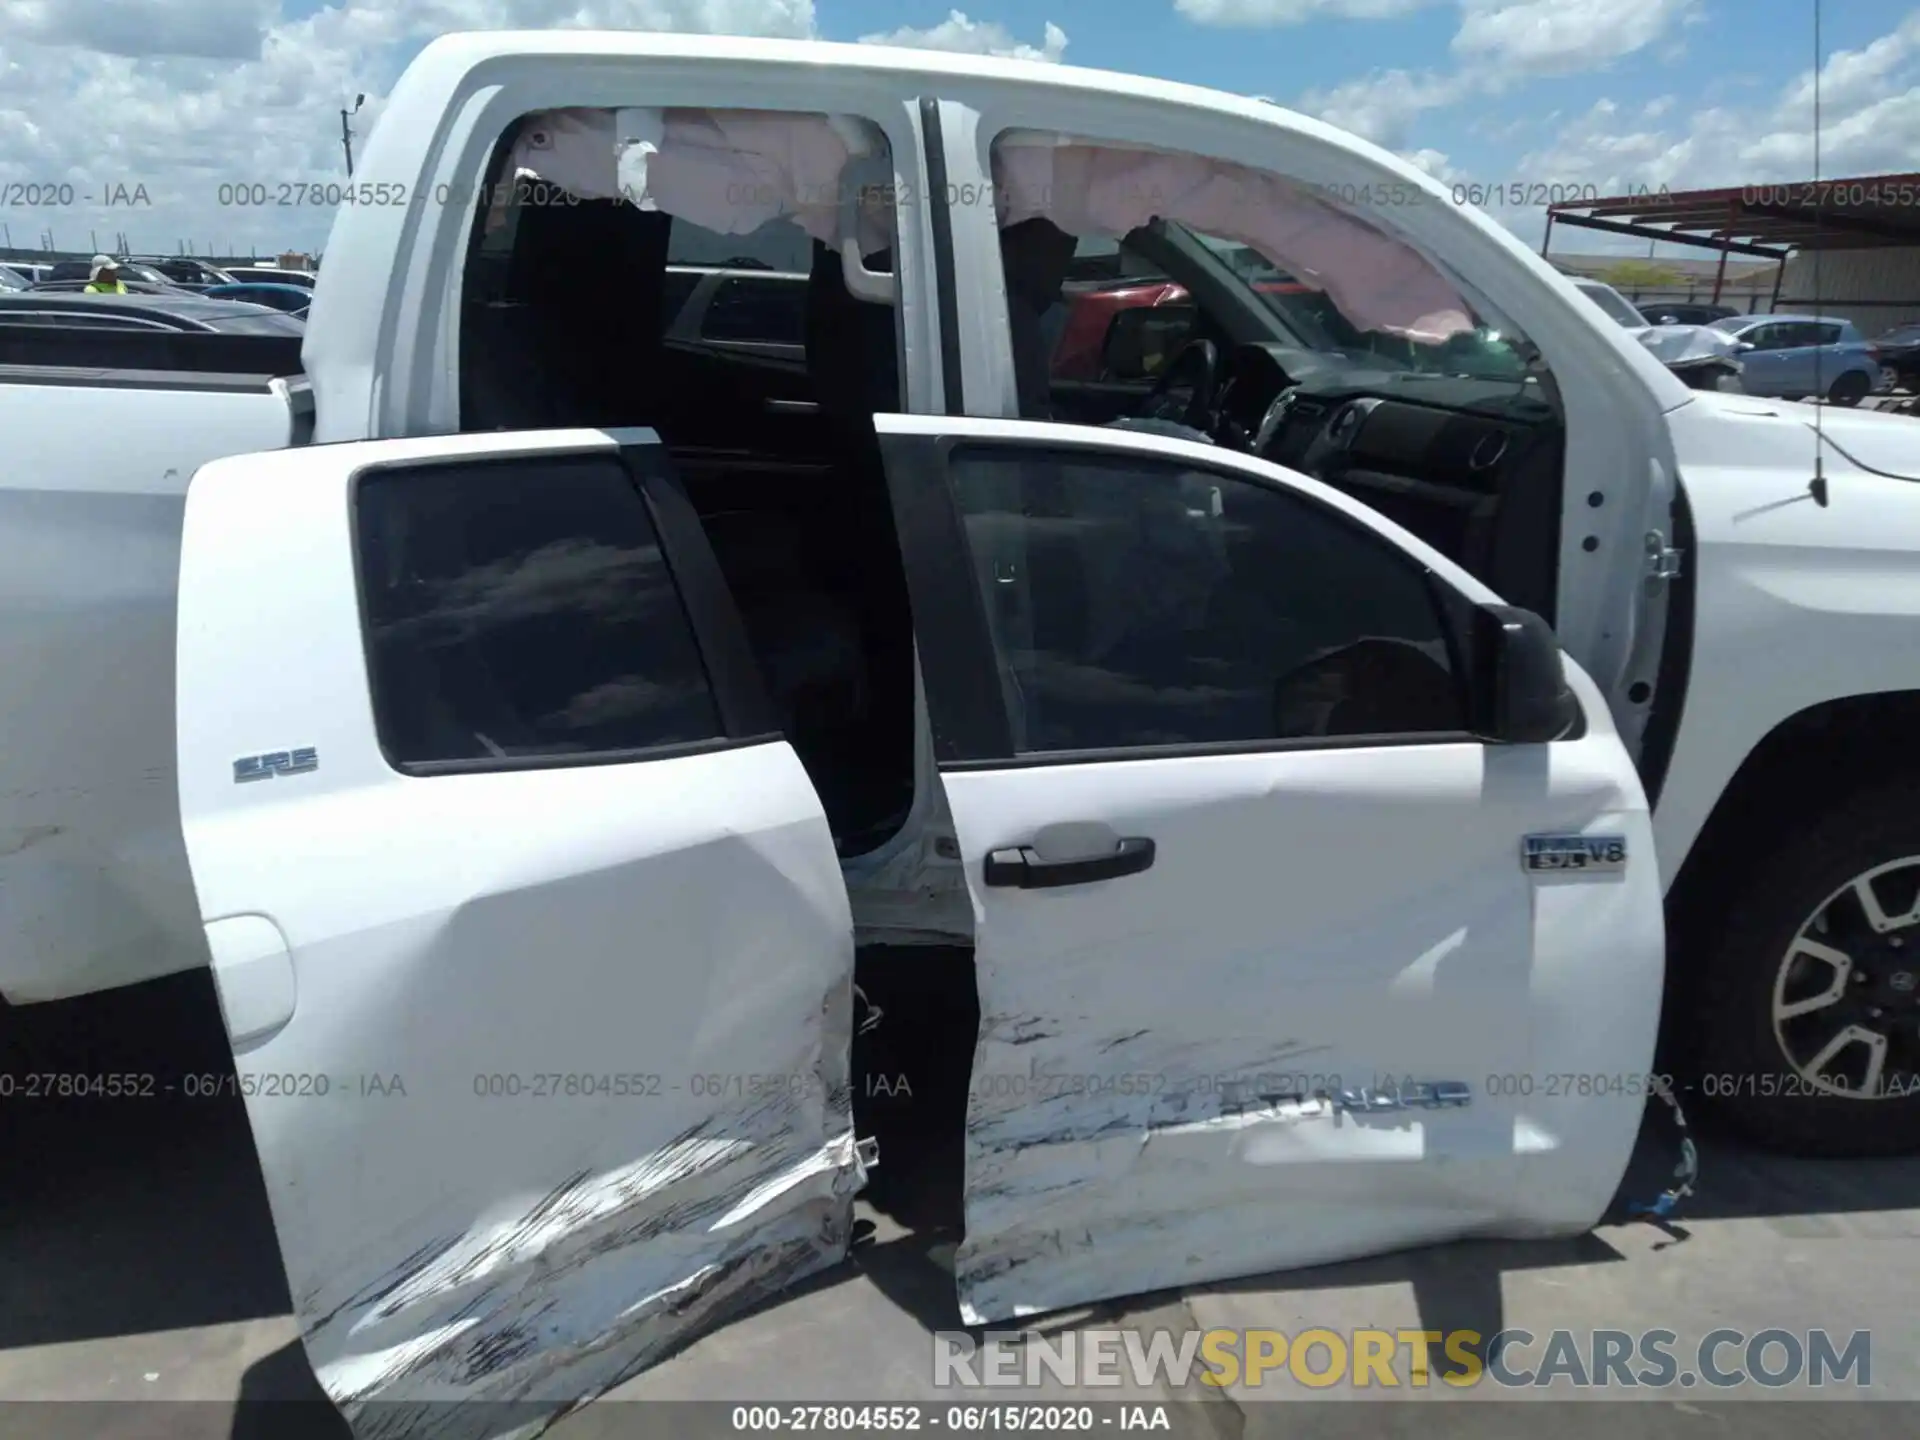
(104, 277)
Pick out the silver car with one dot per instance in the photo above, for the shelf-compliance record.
(1795, 356)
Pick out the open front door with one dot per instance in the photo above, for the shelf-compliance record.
(527, 927)
(1279, 962)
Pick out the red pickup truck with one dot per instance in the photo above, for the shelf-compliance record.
(1091, 306)
(1079, 353)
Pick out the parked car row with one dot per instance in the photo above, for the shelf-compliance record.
(1802, 356)
(150, 328)
(248, 291)
(191, 314)
(1793, 357)
(182, 272)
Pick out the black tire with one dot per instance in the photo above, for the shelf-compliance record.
(1742, 1073)
(1848, 389)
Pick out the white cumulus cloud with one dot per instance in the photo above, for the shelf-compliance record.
(975, 37)
(1499, 44)
(184, 97)
(1251, 14)
(1555, 37)
(1385, 106)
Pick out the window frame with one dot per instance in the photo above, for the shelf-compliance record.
(423, 369)
(741, 700)
(747, 289)
(961, 667)
(490, 252)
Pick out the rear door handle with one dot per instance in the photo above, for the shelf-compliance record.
(1022, 868)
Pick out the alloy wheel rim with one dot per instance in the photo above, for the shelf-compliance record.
(1846, 994)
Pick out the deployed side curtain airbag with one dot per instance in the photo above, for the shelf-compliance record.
(732, 171)
(729, 171)
(1377, 282)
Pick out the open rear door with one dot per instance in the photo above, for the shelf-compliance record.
(527, 925)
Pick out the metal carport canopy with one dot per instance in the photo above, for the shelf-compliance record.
(1769, 219)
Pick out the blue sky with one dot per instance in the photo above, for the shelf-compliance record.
(1738, 43)
(1606, 95)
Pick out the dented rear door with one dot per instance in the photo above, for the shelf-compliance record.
(527, 926)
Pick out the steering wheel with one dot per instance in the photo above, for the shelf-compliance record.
(1184, 390)
(1270, 423)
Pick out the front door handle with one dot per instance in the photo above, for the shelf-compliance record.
(1022, 868)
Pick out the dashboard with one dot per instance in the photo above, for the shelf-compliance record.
(1463, 462)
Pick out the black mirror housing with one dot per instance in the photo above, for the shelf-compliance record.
(1520, 690)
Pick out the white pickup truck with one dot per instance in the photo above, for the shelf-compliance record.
(1273, 781)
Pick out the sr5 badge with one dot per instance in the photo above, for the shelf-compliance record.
(276, 762)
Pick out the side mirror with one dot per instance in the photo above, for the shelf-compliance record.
(1741, 347)
(1143, 338)
(1520, 690)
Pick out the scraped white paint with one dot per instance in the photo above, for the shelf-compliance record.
(1313, 921)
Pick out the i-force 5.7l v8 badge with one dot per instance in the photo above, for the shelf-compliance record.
(1563, 854)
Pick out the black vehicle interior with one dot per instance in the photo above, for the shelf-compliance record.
(782, 466)
(1468, 462)
(784, 469)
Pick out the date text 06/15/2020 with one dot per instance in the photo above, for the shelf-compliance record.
(962, 1418)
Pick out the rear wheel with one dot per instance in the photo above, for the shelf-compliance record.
(1848, 389)
(1810, 1029)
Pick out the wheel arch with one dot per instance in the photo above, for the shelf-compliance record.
(1807, 764)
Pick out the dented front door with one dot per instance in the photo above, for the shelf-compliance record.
(1273, 967)
(541, 1028)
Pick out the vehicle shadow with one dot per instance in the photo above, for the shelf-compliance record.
(132, 1213)
(280, 1400)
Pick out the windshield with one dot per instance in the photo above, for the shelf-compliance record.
(1317, 324)
(1613, 302)
(1731, 323)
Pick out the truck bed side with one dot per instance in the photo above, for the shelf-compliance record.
(94, 889)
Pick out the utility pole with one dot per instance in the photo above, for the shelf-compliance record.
(346, 131)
